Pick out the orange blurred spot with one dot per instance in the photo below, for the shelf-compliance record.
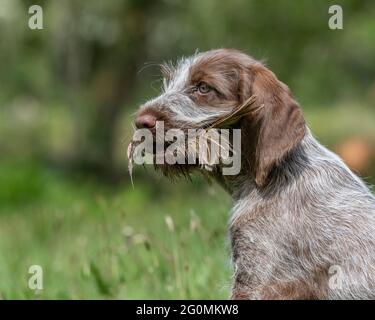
(357, 152)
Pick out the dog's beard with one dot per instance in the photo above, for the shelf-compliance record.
(180, 167)
(174, 162)
(194, 153)
(190, 149)
(175, 171)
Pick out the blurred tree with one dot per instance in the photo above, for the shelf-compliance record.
(98, 59)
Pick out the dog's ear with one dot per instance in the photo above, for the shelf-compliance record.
(278, 126)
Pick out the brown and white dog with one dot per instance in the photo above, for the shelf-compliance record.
(302, 224)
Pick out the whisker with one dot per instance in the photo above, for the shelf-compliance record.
(147, 65)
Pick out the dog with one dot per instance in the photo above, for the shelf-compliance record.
(302, 224)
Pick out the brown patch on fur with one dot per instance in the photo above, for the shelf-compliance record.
(277, 128)
(293, 290)
(297, 290)
(220, 69)
(306, 289)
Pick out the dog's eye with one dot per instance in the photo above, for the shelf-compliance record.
(203, 88)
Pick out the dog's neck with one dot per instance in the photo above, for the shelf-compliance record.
(282, 176)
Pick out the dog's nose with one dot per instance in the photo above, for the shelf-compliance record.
(145, 121)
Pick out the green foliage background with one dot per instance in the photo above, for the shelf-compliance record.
(67, 95)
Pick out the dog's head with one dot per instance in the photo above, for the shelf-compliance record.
(211, 84)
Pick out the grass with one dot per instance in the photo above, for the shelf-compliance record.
(95, 241)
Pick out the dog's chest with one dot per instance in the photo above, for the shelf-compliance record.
(263, 235)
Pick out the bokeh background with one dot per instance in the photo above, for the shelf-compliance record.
(67, 95)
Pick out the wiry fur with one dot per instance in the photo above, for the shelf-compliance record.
(313, 215)
(298, 210)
